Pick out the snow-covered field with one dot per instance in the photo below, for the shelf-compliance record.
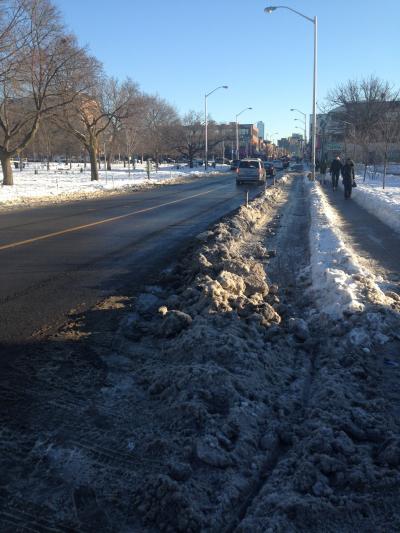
(383, 203)
(61, 183)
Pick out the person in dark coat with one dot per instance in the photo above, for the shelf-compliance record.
(348, 177)
(336, 167)
(322, 170)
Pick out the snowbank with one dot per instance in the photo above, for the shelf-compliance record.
(339, 282)
(383, 203)
(244, 391)
(210, 320)
(61, 183)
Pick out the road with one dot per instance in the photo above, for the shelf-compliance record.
(67, 256)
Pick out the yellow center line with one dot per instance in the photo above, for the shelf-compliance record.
(104, 221)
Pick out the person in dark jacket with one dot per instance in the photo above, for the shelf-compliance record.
(322, 170)
(336, 167)
(348, 177)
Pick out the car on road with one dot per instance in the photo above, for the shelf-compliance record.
(250, 170)
(235, 164)
(269, 169)
(278, 164)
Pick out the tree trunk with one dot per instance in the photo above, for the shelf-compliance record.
(384, 167)
(109, 159)
(94, 171)
(7, 169)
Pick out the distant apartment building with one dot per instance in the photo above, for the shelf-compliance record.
(293, 144)
(341, 132)
(261, 129)
(249, 142)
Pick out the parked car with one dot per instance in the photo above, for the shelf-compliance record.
(269, 169)
(250, 170)
(298, 167)
(278, 164)
(235, 164)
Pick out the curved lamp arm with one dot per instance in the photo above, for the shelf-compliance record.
(270, 9)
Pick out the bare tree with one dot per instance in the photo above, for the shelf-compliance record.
(363, 104)
(189, 136)
(12, 17)
(117, 92)
(132, 131)
(160, 121)
(389, 132)
(36, 77)
(89, 116)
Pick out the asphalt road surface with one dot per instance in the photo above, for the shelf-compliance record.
(67, 256)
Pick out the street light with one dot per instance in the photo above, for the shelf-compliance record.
(299, 120)
(304, 145)
(305, 122)
(270, 9)
(206, 123)
(272, 135)
(237, 130)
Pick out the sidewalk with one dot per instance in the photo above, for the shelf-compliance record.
(373, 240)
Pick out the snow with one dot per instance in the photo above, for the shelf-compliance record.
(383, 203)
(339, 281)
(216, 376)
(61, 183)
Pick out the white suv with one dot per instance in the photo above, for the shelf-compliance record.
(250, 170)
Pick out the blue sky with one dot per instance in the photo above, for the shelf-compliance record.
(181, 49)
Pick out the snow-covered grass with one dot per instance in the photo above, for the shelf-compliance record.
(339, 282)
(61, 183)
(377, 170)
(383, 203)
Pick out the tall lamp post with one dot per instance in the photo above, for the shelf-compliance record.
(237, 130)
(304, 139)
(270, 9)
(206, 124)
(303, 147)
(273, 143)
(305, 122)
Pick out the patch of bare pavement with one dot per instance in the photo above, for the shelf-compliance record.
(219, 399)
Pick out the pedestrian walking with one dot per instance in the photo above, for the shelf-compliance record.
(348, 177)
(336, 167)
(322, 170)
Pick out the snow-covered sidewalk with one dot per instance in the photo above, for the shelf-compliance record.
(62, 183)
(383, 203)
(341, 285)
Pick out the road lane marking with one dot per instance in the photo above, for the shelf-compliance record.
(104, 221)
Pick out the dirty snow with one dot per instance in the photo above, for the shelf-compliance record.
(209, 409)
